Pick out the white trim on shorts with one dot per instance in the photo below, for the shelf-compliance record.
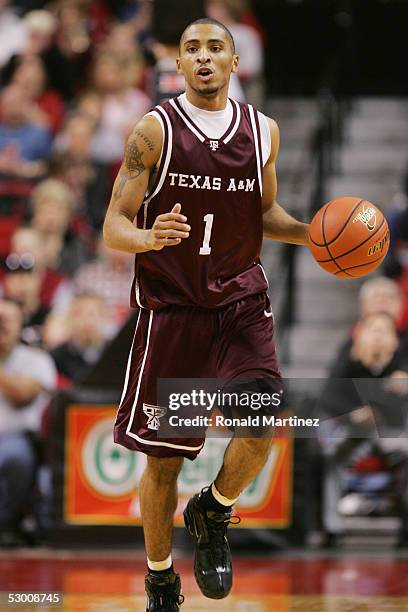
(137, 294)
(168, 444)
(132, 415)
(263, 272)
(129, 362)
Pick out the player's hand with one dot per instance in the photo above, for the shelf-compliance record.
(168, 230)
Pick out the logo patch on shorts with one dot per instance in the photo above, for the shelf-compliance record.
(154, 414)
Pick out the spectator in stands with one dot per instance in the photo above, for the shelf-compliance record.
(55, 330)
(366, 417)
(89, 105)
(109, 276)
(75, 139)
(90, 184)
(67, 59)
(27, 376)
(397, 217)
(121, 42)
(39, 28)
(138, 13)
(74, 163)
(24, 145)
(55, 289)
(380, 294)
(22, 283)
(87, 337)
(47, 107)
(53, 207)
(396, 263)
(12, 32)
(122, 106)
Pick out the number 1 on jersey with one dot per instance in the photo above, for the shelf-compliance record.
(205, 249)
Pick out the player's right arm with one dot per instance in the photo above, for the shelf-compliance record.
(142, 153)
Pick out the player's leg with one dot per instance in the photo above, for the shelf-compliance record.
(243, 460)
(209, 513)
(248, 351)
(158, 502)
(161, 349)
(250, 370)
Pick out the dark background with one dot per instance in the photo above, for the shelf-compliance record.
(354, 46)
(359, 46)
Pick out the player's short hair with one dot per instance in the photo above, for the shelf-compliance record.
(210, 21)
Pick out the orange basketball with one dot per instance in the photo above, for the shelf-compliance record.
(349, 237)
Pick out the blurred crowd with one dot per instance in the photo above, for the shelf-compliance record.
(75, 77)
(365, 436)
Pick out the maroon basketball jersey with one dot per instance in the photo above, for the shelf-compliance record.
(219, 186)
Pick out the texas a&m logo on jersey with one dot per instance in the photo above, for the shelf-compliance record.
(154, 414)
(211, 183)
(214, 144)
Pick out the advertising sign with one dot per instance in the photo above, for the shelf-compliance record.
(101, 478)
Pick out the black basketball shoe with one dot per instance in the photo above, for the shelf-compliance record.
(212, 563)
(163, 593)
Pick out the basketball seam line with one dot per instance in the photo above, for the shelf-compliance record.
(361, 265)
(327, 247)
(354, 248)
(342, 229)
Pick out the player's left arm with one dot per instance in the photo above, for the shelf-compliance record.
(277, 223)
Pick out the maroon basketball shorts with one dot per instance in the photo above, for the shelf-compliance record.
(232, 343)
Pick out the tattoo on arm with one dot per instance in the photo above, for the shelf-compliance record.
(133, 165)
(145, 139)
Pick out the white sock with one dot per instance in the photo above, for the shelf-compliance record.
(220, 498)
(159, 566)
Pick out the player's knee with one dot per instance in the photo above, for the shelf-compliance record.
(164, 470)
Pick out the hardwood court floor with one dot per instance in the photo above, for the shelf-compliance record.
(113, 581)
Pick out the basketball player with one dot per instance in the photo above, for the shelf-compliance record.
(199, 175)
